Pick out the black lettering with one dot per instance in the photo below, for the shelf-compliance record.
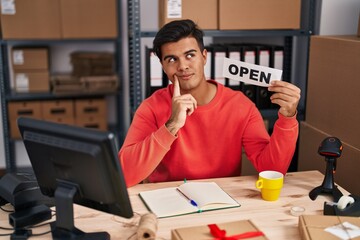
(233, 69)
(243, 71)
(254, 74)
(264, 77)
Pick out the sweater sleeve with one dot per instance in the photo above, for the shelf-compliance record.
(144, 147)
(275, 152)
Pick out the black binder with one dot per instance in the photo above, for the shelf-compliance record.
(219, 52)
(262, 93)
(248, 54)
(153, 66)
(234, 52)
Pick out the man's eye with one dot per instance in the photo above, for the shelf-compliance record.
(171, 59)
(189, 55)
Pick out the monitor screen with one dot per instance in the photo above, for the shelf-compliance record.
(78, 162)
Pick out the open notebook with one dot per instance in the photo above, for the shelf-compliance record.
(167, 202)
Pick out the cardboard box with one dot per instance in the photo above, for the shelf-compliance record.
(202, 12)
(203, 232)
(22, 109)
(30, 59)
(66, 84)
(53, 109)
(61, 119)
(333, 87)
(259, 14)
(32, 81)
(103, 84)
(89, 18)
(90, 108)
(92, 63)
(312, 227)
(35, 19)
(347, 168)
(98, 122)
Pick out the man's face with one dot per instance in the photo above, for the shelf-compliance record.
(185, 60)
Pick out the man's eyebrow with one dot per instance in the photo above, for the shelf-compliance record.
(173, 56)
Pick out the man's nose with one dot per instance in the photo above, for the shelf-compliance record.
(183, 65)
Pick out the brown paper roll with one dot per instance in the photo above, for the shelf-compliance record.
(147, 227)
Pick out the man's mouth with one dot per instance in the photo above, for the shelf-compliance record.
(185, 76)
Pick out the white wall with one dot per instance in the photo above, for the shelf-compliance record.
(338, 17)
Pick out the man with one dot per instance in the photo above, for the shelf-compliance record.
(196, 128)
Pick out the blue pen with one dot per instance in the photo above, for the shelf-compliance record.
(190, 200)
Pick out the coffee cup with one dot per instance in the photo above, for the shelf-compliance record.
(270, 183)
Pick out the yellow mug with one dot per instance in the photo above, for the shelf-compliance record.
(270, 183)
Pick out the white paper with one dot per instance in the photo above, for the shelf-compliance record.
(174, 9)
(18, 57)
(21, 82)
(344, 231)
(8, 7)
(250, 73)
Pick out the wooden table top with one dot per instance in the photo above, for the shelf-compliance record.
(272, 218)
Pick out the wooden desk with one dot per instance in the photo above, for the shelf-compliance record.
(273, 218)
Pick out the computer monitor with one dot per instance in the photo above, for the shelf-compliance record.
(76, 165)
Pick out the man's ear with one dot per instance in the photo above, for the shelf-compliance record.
(204, 54)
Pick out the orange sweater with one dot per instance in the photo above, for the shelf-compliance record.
(209, 145)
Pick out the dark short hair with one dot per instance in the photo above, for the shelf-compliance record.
(176, 30)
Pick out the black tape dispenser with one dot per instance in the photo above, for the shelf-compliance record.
(346, 206)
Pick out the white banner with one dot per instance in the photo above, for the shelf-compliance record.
(250, 73)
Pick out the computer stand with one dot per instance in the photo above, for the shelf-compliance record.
(63, 228)
(327, 187)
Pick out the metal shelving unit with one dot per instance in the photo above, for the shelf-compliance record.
(296, 47)
(296, 44)
(7, 95)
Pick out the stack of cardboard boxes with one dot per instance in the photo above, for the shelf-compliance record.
(31, 69)
(59, 19)
(49, 20)
(91, 113)
(332, 107)
(233, 14)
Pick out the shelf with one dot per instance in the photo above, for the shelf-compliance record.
(41, 42)
(50, 96)
(243, 33)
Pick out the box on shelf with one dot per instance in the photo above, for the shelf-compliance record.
(53, 109)
(35, 19)
(22, 109)
(92, 63)
(347, 172)
(66, 84)
(312, 227)
(259, 14)
(203, 232)
(30, 59)
(202, 12)
(95, 107)
(89, 18)
(61, 119)
(99, 122)
(106, 84)
(31, 81)
(332, 100)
